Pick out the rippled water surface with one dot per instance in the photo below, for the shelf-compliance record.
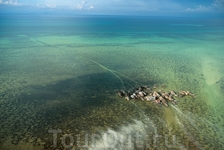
(60, 74)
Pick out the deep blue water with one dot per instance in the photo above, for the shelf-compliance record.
(105, 25)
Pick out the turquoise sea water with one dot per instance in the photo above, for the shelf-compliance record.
(61, 72)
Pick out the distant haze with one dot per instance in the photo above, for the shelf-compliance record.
(115, 7)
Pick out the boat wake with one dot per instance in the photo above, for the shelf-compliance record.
(195, 127)
(180, 113)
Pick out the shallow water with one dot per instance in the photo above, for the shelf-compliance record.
(62, 73)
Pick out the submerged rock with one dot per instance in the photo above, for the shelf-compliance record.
(149, 98)
(160, 97)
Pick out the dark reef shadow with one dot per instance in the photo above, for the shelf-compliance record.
(52, 106)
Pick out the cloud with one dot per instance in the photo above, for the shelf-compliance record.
(9, 2)
(199, 8)
(219, 5)
(81, 6)
(51, 6)
(123, 6)
(46, 6)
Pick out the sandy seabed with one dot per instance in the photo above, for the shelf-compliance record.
(69, 83)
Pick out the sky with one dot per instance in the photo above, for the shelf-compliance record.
(115, 7)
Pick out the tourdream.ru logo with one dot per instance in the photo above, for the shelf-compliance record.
(112, 139)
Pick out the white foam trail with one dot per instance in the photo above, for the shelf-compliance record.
(189, 135)
(192, 118)
(121, 139)
(182, 114)
(178, 122)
